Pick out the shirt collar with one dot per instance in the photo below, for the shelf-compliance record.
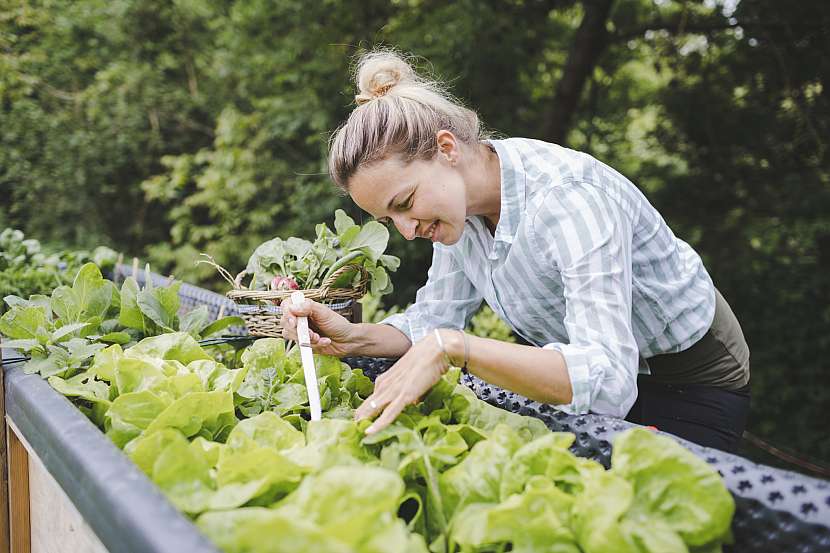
(513, 201)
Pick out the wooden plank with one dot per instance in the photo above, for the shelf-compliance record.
(20, 530)
(56, 523)
(5, 545)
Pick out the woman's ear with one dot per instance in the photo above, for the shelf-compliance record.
(448, 146)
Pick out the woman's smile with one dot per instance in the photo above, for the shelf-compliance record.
(431, 231)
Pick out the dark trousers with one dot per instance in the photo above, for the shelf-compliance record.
(701, 393)
(707, 415)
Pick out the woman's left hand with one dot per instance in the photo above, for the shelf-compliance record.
(404, 383)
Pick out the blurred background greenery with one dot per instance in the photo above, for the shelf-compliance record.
(167, 128)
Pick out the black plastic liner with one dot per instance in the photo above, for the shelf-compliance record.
(777, 511)
(123, 507)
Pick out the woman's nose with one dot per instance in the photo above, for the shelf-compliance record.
(407, 227)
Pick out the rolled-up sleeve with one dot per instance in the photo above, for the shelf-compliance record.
(447, 300)
(586, 237)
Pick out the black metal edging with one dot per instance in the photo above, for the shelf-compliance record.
(123, 507)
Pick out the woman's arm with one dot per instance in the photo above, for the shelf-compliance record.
(379, 340)
(447, 300)
(587, 238)
(536, 373)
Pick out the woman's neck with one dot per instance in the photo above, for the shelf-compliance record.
(484, 185)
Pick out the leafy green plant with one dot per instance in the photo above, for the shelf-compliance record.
(452, 474)
(63, 332)
(27, 269)
(155, 310)
(294, 262)
(58, 332)
(274, 382)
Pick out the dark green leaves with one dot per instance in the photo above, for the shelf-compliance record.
(155, 310)
(160, 307)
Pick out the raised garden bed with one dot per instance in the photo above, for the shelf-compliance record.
(83, 493)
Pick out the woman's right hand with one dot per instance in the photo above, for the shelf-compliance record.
(330, 332)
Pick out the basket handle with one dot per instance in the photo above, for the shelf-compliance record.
(332, 278)
(212, 262)
(237, 282)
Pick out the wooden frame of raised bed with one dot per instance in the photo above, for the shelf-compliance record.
(68, 488)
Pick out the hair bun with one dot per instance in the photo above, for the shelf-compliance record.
(378, 73)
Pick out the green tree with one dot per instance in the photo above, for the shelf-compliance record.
(751, 118)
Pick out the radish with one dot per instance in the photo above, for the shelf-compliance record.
(284, 283)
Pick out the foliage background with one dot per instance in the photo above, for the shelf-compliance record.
(164, 128)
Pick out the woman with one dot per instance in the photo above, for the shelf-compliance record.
(562, 247)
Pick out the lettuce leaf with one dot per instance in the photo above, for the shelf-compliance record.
(535, 521)
(674, 486)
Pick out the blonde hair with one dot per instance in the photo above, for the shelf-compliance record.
(398, 112)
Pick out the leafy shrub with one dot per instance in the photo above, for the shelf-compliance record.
(27, 269)
(487, 324)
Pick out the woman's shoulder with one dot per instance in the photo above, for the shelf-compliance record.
(543, 163)
(539, 150)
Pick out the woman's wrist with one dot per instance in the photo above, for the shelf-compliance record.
(454, 346)
(355, 342)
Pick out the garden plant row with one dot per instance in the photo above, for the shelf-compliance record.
(225, 435)
(26, 267)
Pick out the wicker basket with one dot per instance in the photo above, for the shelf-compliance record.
(263, 316)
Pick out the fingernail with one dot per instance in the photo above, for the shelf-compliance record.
(370, 430)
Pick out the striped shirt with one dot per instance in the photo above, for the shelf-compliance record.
(580, 262)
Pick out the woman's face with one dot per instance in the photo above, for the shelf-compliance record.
(423, 198)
